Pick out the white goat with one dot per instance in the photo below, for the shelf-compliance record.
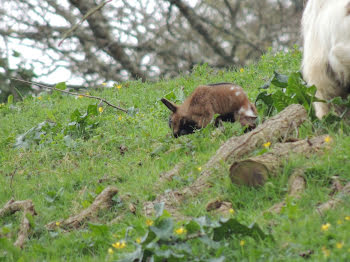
(326, 59)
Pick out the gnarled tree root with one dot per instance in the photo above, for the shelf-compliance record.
(335, 201)
(102, 201)
(27, 207)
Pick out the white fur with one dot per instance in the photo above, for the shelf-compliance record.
(238, 93)
(246, 112)
(250, 113)
(326, 33)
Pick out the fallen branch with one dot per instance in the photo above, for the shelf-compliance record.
(272, 130)
(72, 93)
(338, 199)
(89, 13)
(296, 185)
(255, 171)
(27, 208)
(102, 201)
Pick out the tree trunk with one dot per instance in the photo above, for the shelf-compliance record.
(255, 171)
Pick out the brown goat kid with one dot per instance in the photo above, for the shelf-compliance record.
(226, 99)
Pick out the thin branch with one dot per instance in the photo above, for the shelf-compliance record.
(72, 93)
(92, 11)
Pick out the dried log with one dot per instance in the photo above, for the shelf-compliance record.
(338, 199)
(296, 185)
(102, 201)
(255, 171)
(27, 207)
(279, 126)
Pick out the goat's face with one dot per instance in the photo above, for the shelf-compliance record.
(247, 116)
(180, 124)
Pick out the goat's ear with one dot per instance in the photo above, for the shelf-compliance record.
(172, 107)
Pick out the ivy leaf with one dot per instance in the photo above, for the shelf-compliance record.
(229, 227)
(148, 238)
(280, 80)
(159, 208)
(192, 227)
(205, 221)
(164, 228)
(266, 98)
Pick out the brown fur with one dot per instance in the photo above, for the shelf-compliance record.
(226, 99)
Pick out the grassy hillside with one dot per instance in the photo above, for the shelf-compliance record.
(62, 167)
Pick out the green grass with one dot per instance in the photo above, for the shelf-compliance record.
(62, 178)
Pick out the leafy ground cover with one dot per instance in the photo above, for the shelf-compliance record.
(61, 151)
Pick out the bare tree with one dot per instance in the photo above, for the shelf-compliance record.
(146, 39)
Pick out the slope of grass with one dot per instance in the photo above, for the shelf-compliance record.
(63, 174)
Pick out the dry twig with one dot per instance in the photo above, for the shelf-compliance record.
(27, 208)
(72, 93)
(102, 201)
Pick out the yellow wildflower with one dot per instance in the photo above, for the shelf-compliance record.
(232, 211)
(120, 118)
(40, 97)
(339, 222)
(267, 144)
(149, 222)
(119, 86)
(199, 169)
(119, 244)
(80, 96)
(110, 251)
(325, 227)
(339, 245)
(123, 244)
(347, 218)
(58, 223)
(100, 109)
(104, 84)
(116, 245)
(241, 70)
(326, 252)
(242, 243)
(327, 139)
(180, 231)
(138, 240)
